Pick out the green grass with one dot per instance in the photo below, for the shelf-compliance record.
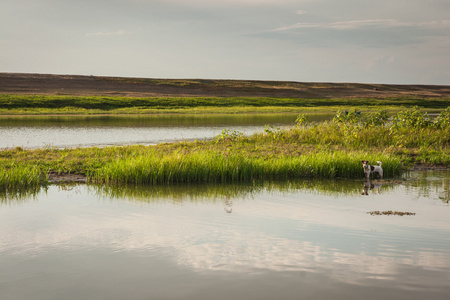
(34, 104)
(213, 167)
(21, 177)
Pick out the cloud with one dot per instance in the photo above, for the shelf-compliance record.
(363, 24)
(106, 33)
(373, 33)
(300, 12)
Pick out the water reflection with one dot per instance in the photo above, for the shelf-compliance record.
(159, 120)
(228, 205)
(98, 130)
(372, 186)
(16, 196)
(177, 241)
(431, 184)
(85, 131)
(428, 184)
(221, 192)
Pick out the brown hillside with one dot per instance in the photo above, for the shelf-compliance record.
(43, 84)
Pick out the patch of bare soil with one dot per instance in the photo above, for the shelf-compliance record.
(66, 178)
(44, 84)
(391, 213)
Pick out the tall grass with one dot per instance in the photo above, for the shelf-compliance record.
(21, 177)
(216, 167)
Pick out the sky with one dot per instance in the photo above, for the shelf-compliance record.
(383, 41)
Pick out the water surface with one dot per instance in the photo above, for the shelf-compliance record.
(292, 240)
(87, 131)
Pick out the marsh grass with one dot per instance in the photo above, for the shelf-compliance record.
(21, 177)
(213, 167)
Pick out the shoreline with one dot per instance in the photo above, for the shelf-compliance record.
(63, 178)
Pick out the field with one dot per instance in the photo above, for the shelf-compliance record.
(60, 94)
(70, 85)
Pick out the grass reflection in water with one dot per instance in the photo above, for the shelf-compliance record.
(420, 183)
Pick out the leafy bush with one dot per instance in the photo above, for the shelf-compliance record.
(378, 118)
(348, 117)
(229, 135)
(301, 120)
(443, 120)
(411, 118)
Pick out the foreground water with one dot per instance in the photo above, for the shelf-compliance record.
(292, 240)
(87, 131)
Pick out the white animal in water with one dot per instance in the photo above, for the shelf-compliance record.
(368, 169)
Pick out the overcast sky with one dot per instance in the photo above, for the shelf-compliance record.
(383, 41)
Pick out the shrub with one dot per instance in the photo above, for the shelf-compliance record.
(412, 118)
(348, 117)
(443, 120)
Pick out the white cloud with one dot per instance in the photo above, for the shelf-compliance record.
(377, 23)
(106, 33)
(300, 12)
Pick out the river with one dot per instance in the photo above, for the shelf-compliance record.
(307, 239)
(88, 131)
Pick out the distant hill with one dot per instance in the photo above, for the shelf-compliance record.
(46, 84)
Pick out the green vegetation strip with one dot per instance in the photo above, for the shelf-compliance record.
(212, 166)
(307, 150)
(34, 104)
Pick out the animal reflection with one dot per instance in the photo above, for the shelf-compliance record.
(228, 205)
(373, 186)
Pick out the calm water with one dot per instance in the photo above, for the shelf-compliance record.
(34, 132)
(297, 240)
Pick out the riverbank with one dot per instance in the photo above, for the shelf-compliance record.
(307, 150)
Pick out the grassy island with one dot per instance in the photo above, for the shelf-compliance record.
(306, 150)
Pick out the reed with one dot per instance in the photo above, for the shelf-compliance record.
(215, 167)
(21, 177)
